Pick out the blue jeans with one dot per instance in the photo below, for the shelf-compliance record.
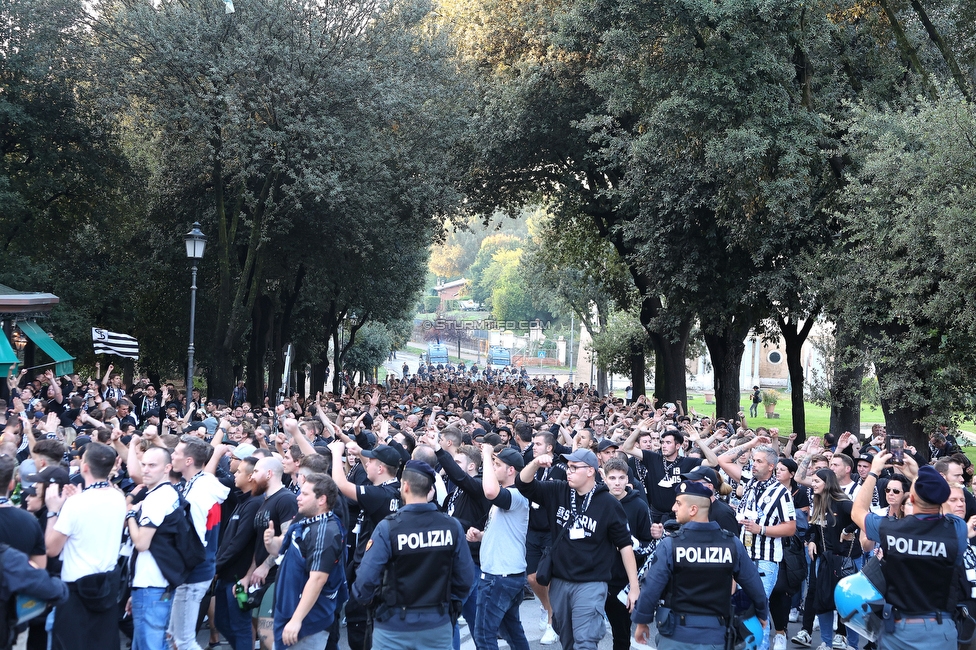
(929, 635)
(438, 638)
(499, 598)
(183, 619)
(768, 572)
(231, 621)
(151, 607)
(469, 610)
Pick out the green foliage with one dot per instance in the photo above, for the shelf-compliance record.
(906, 277)
(614, 345)
(372, 346)
(485, 269)
(431, 303)
(771, 397)
(870, 391)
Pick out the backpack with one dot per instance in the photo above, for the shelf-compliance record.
(175, 546)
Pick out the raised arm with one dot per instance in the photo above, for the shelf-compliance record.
(346, 487)
(629, 446)
(727, 461)
(862, 500)
(489, 482)
(108, 373)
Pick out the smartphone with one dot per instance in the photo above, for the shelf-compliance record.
(897, 448)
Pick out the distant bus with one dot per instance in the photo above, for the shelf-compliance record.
(499, 356)
(437, 353)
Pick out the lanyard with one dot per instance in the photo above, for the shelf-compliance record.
(586, 502)
(186, 489)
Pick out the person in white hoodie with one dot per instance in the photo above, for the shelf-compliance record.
(204, 493)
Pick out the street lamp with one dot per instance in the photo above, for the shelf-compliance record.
(196, 242)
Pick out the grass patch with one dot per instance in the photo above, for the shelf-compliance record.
(817, 417)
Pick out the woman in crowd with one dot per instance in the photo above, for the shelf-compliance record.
(831, 539)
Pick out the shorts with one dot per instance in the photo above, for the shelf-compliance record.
(536, 542)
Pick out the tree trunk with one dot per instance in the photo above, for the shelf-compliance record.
(602, 386)
(670, 373)
(905, 423)
(794, 336)
(260, 324)
(845, 386)
(638, 370)
(317, 381)
(725, 350)
(336, 363)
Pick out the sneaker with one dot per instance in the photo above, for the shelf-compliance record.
(802, 639)
(543, 619)
(779, 642)
(816, 623)
(549, 637)
(839, 642)
(794, 615)
(823, 646)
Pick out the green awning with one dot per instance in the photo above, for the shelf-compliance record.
(8, 357)
(64, 362)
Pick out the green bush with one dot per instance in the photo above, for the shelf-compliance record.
(431, 303)
(869, 391)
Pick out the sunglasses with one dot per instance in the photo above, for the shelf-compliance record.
(894, 491)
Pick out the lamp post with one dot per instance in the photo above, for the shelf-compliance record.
(196, 242)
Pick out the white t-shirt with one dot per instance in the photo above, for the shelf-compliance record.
(93, 522)
(161, 501)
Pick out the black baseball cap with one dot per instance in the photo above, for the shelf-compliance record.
(385, 454)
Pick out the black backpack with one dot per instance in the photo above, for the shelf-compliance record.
(175, 546)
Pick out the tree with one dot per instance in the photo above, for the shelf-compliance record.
(568, 268)
(370, 350)
(908, 215)
(615, 346)
(279, 121)
(484, 270)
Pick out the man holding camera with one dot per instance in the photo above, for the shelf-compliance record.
(923, 556)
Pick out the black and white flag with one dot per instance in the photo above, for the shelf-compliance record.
(107, 342)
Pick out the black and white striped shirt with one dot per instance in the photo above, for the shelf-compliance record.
(774, 505)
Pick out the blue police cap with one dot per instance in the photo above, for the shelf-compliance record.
(693, 489)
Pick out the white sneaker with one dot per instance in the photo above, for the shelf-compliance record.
(802, 639)
(543, 619)
(794, 615)
(549, 637)
(779, 642)
(839, 642)
(822, 646)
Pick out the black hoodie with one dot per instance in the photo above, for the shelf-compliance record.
(604, 524)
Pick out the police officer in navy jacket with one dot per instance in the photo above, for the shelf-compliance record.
(923, 557)
(416, 570)
(693, 572)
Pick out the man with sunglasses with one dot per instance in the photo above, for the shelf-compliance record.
(590, 526)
